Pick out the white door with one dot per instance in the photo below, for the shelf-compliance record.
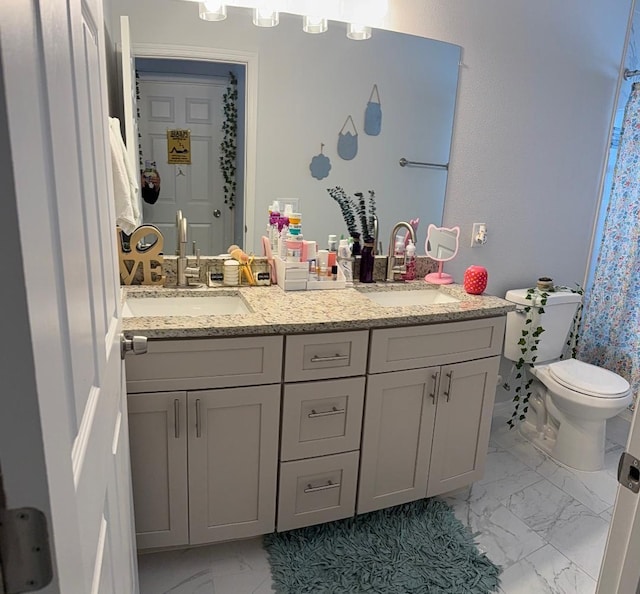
(63, 417)
(620, 572)
(187, 103)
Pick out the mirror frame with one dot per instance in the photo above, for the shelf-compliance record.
(453, 230)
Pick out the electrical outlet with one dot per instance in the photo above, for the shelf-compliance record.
(479, 235)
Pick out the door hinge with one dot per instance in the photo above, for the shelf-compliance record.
(25, 554)
(629, 472)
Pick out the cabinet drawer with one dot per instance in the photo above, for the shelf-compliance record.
(320, 418)
(317, 490)
(395, 349)
(206, 363)
(320, 356)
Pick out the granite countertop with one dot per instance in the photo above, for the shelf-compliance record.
(274, 311)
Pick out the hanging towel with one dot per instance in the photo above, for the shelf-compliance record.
(126, 189)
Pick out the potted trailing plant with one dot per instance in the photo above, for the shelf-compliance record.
(528, 344)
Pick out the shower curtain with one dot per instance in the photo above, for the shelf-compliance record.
(610, 335)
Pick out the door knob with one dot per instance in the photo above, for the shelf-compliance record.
(217, 213)
(136, 345)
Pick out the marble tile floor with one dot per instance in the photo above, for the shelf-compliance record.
(544, 524)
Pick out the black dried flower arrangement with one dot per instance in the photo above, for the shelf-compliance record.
(357, 208)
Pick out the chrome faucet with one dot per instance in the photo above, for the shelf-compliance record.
(392, 267)
(185, 273)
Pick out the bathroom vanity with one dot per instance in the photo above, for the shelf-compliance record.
(312, 407)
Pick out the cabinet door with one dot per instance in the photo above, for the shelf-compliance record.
(463, 423)
(233, 461)
(158, 443)
(398, 427)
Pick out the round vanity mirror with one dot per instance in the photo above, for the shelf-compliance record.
(441, 246)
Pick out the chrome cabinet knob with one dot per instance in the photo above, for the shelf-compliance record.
(217, 213)
(136, 345)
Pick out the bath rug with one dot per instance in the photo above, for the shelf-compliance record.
(419, 547)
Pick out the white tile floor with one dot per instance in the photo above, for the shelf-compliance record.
(544, 524)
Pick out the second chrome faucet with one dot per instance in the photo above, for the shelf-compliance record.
(394, 268)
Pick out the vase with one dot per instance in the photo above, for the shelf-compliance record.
(475, 280)
(367, 260)
(355, 246)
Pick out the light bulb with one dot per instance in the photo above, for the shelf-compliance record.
(358, 32)
(211, 10)
(265, 17)
(313, 24)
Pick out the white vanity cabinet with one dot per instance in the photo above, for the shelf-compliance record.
(236, 437)
(204, 461)
(426, 427)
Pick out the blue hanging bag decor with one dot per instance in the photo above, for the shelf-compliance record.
(348, 142)
(373, 114)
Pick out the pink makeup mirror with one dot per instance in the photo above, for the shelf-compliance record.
(441, 245)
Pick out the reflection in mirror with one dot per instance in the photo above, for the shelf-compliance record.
(307, 87)
(441, 245)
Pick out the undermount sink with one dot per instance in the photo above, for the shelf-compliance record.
(221, 305)
(413, 297)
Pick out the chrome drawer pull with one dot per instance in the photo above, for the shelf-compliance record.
(434, 377)
(176, 417)
(447, 392)
(328, 413)
(198, 427)
(329, 485)
(336, 357)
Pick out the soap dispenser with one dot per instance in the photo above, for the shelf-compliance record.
(410, 262)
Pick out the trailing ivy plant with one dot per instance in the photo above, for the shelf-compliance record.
(528, 344)
(229, 144)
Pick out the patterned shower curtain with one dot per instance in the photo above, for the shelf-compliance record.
(610, 335)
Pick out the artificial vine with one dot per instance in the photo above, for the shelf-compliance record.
(140, 159)
(229, 144)
(528, 343)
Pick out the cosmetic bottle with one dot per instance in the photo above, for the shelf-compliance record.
(345, 263)
(398, 252)
(323, 264)
(410, 262)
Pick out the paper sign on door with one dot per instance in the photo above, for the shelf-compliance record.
(179, 147)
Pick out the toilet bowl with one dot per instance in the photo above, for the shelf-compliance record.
(570, 400)
(578, 398)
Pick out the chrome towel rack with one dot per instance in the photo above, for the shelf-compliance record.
(404, 163)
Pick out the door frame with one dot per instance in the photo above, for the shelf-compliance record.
(620, 572)
(250, 61)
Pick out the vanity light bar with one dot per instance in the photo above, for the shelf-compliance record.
(210, 10)
(314, 25)
(267, 13)
(358, 32)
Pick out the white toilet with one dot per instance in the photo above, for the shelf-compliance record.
(570, 400)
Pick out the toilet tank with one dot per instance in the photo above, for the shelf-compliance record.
(556, 321)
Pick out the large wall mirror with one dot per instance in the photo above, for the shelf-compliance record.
(305, 87)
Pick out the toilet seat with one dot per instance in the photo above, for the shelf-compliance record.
(588, 379)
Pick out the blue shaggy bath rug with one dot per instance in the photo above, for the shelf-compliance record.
(419, 547)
